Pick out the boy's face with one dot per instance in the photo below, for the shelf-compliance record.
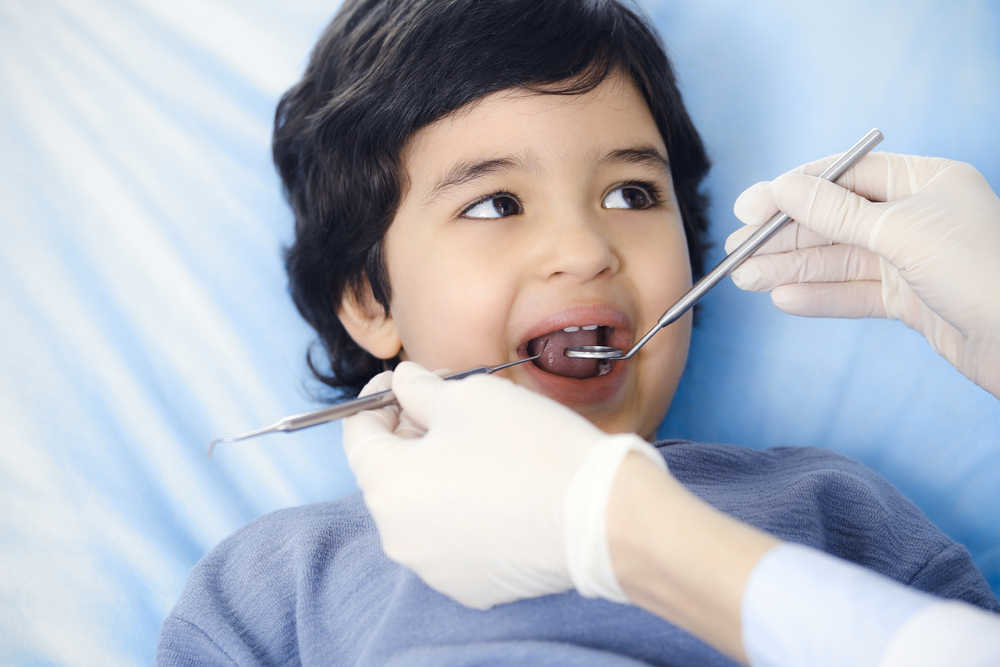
(527, 214)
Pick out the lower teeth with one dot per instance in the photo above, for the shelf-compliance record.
(604, 367)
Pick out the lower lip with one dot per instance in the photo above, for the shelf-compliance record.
(570, 391)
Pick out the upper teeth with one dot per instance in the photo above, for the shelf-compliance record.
(589, 327)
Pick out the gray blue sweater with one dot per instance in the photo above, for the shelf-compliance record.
(311, 586)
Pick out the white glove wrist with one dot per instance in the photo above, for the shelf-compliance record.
(587, 497)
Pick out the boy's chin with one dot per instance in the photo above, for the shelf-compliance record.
(623, 422)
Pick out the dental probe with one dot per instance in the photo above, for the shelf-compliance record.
(727, 265)
(353, 406)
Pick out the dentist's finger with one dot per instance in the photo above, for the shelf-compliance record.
(828, 209)
(408, 429)
(792, 236)
(755, 205)
(363, 429)
(827, 264)
(878, 177)
(883, 177)
(852, 300)
(420, 392)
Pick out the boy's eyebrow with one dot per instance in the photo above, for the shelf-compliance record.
(646, 156)
(462, 173)
(468, 171)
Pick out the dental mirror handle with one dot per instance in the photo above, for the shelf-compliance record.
(351, 407)
(745, 249)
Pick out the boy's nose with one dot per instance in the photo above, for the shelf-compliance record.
(577, 246)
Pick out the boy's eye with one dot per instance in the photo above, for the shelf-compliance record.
(628, 196)
(494, 206)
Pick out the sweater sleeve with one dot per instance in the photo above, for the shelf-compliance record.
(829, 502)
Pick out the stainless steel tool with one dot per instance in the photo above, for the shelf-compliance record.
(353, 406)
(727, 265)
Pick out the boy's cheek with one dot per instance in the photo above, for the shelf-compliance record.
(451, 326)
(658, 380)
(450, 302)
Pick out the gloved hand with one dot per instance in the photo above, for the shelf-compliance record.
(909, 238)
(504, 497)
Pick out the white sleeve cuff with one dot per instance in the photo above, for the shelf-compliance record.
(946, 633)
(586, 511)
(804, 607)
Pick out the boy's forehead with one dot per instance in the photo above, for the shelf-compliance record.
(518, 129)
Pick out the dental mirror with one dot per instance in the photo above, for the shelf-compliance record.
(353, 406)
(727, 265)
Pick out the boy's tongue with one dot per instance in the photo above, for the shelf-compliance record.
(554, 361)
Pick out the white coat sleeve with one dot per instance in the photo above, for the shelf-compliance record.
(804, 607)
(946, 633)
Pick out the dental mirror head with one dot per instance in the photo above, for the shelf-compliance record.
(593, 352)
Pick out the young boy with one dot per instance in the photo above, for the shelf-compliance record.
(470, 180)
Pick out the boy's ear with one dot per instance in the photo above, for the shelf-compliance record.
(368, 324)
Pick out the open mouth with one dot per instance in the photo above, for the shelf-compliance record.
(552, 359)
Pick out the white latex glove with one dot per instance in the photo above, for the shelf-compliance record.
(918, 242)
(504, 497)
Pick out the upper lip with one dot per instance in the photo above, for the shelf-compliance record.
(601, 314)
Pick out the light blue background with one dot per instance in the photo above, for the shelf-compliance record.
(143, 308)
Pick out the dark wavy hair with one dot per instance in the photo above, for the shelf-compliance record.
(382, 70)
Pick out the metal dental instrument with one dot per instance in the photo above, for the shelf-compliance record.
(353, 406)
(727, 265)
